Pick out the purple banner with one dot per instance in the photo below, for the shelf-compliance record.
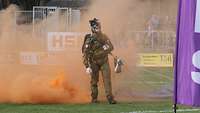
(187, 66)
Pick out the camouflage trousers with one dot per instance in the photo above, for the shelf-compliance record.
(106, 75)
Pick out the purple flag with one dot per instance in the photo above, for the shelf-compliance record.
(187, 66)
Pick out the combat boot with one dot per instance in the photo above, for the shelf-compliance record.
(111, 100)
(93, 101)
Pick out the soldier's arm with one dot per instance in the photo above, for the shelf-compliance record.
(84, 51)
(85, 61)
(107, 46)
(108, 42)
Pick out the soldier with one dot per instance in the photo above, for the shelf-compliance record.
(95, 49)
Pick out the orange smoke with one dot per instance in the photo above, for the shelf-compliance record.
(58, 81)
(61, 82)
(32, 88)
(73, 93)
(45, 84)
(37, 83)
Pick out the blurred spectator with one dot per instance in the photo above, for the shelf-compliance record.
(153, 24)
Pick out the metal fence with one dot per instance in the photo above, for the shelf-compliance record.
(155, 40)
(48, 19)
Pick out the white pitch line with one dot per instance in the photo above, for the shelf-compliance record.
(165, 111)
(150, 82)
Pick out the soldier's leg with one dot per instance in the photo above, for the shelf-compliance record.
(94, 83)
(105, 69)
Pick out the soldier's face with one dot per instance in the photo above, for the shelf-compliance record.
(96, 29)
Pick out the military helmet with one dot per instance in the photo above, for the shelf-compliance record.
(94, 22)
(95, 25)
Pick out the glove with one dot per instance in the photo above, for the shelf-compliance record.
(88, 70)
(105, 47)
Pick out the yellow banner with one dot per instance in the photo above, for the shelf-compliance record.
(155, 60)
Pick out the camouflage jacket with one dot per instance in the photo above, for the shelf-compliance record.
(96, 48)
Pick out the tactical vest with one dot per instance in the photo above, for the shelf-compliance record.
(94, 44)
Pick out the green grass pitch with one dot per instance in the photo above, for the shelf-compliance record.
(133, 107)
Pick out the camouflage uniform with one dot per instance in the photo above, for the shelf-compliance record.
(96, 57)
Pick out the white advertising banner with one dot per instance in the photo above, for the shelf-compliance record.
(197, 20)
(29, 58)
(59, 41)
